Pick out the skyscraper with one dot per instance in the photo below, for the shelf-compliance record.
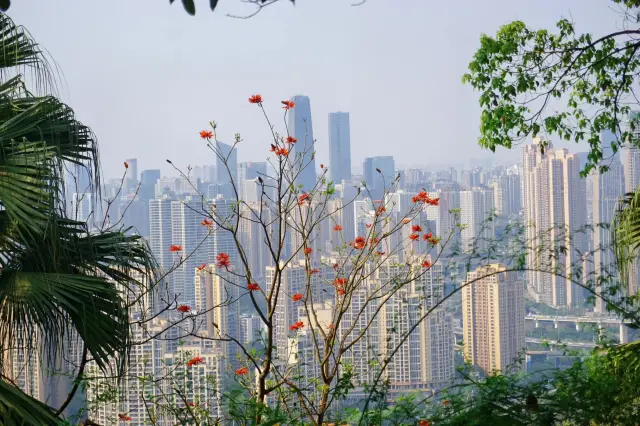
(608, 189)
(378, 181)
(148, 180)
(554, 197)
(493, 317)
(227, 170)
(160, 232)
(476, 207)
(339, 147)
(131, 180)
(506, 192)
(303, 151)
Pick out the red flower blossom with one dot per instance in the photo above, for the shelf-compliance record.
(206, 222)
(414, 237)
(124, 417)
(222, 260)
(242, 371)
(433, 201)
(291, 139)
(191, 404)
(201, 267)
(374, 242)
(446, 402)
(302, 198)
(183, 308)
(126, 165)
(206, 134)
(314, 271)
(288, 104)
(253, 287)
(321, 166)
(380, 253)
(282, 152)
(337, 228)
(380, 210)
(255, 99)
(296, 326)
(406, 220)
(297, 297)
(339, 281)
(433, 241)
(331, 326)
(336, 266)
(424, 423)
(308, 250)
(341, 291)
(427, 236)
(359, 243)
(273, 148)
(367, 225)
(174, 248)
(416, 228)
(426, 264)
(195, 361)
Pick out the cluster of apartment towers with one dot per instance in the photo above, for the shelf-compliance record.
(545, 191)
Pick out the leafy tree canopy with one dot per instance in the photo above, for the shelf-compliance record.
(589, 81)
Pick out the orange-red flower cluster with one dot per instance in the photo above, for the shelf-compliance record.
(291, 139)
(416, 228)
(367, 225)
(124, 417)
(288, 104)
(337, 228)
(296, 326)
(359, 243)
(380, 253)
(281, 152)
(202, 267)
(297, 297)
(191, 404)
(314, 271)
(308, 250)
(423, 197)
(206, 134)
(174, 248)
(222, 260)
(206, 222)
(406, 220)
(336, 266)
(183, 308)
(255, 99)
(427, 236)
(195, 361)
(339, 283)
(414, 237)
(302, 198)
(126, 165)
(426, 264)
(424, 423)
(242, 371)
(374, 241)
(331, 326)
(253, 287)
(380, 210)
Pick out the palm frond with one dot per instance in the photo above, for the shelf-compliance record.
(626, 233)
(17, 408)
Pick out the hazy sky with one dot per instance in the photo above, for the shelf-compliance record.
(147, 77)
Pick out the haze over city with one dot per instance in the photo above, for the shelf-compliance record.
(147, 78)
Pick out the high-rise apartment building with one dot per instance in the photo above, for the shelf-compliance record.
(554, 197)
(303, 151)
(195, 240)
(493, 317)
(478, 228)
(506, 194)
(608, 190)
(148, 180)
(161, 237)
(339, 147)
(131, 178)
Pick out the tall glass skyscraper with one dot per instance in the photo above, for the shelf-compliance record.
(339, 146)
(301, 128)
(226, 173)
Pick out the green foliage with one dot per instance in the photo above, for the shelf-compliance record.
(522, 73)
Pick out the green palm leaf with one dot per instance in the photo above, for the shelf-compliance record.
(17, 408)
(626, 233)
